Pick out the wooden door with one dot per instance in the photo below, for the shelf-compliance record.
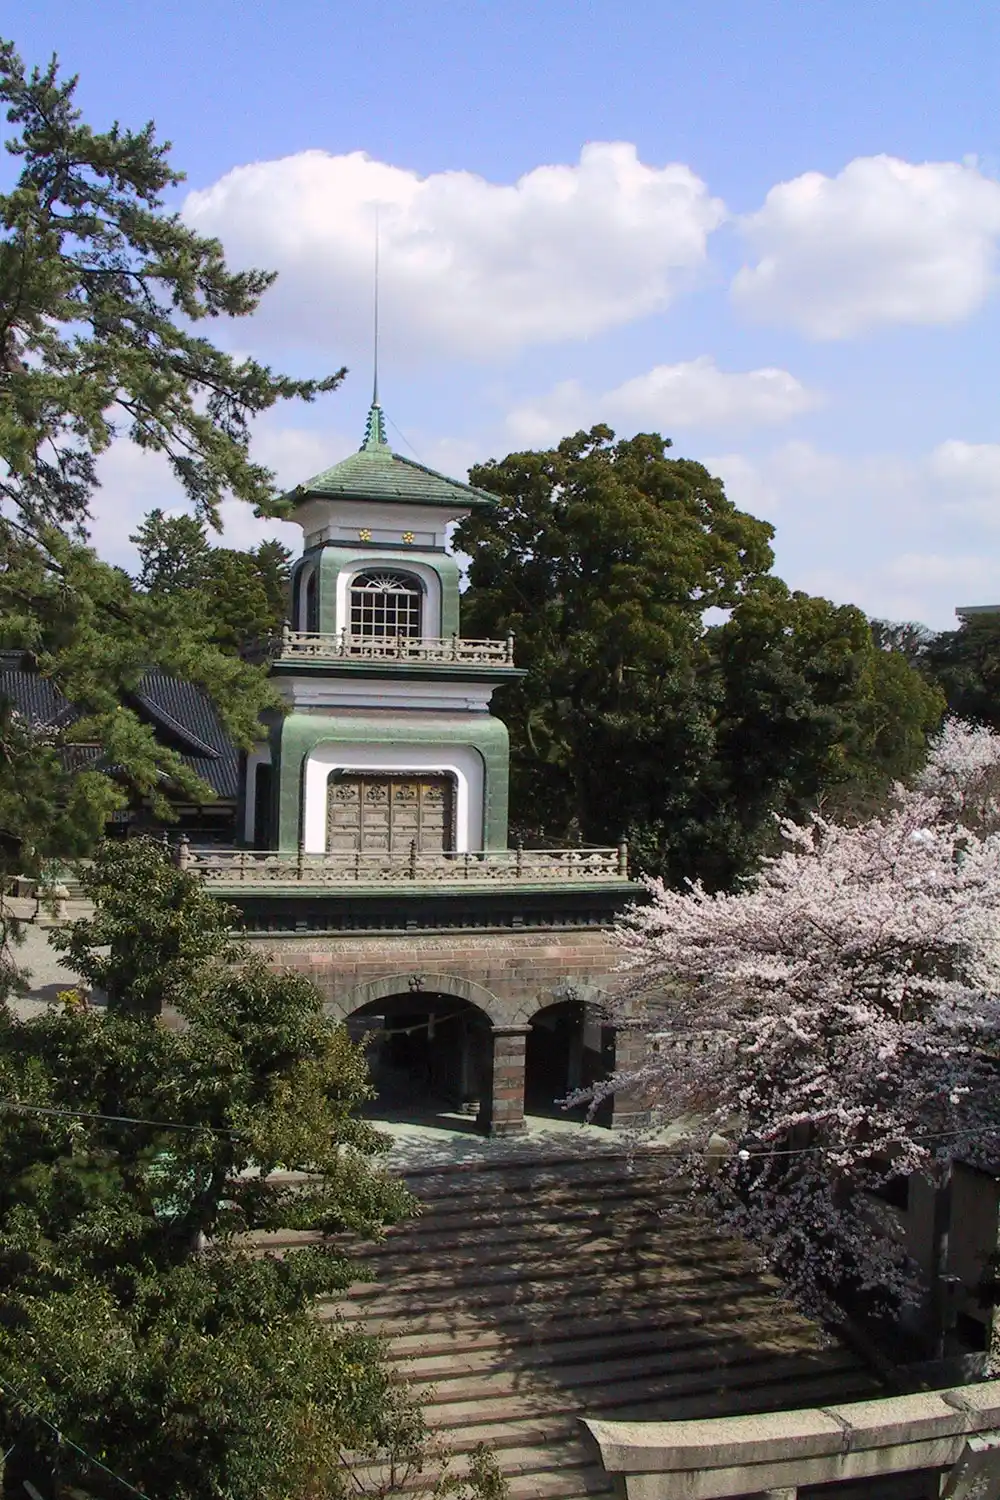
(387, 814)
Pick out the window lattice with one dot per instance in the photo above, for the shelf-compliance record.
(385, 604)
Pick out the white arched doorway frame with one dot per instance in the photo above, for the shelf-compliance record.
(462, 762)
(427, 577)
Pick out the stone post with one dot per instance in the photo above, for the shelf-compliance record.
(503, 1106)
(629, 1107)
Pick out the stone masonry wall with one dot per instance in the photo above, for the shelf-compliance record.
(509, 975)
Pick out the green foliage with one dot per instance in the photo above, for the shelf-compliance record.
(637, 718)
(133, 1317)
(906, 638)
(242, 595)
(102, 298)
(965, 663)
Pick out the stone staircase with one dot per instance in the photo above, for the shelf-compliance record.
(531, 1293)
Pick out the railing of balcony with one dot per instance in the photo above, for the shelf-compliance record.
(298, 645)
(270, 869)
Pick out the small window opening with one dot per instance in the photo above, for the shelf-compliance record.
(385, 605)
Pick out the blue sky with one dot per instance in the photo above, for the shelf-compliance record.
(769, 230)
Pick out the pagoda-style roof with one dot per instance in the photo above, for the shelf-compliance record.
(377, 474)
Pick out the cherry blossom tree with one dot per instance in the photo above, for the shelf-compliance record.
(836, 1020)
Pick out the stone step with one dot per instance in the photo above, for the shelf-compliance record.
(543, 1277)
(540, 1258)
(570, 1453)
(583, 1163)
(541, 1210)
(643, 1393)
(521, 1340)
(520, 1319)
(493, 1187)
(519, 1326)
(562, 1472)
(541, 1295)
(561, 1484)
(501, 1430)
(691, 1352)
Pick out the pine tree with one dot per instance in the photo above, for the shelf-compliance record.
(103, 297)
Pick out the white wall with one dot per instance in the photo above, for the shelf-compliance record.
(445, 696)
(342, 520)
(460, 761)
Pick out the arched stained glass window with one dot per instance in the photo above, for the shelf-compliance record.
(385, 604)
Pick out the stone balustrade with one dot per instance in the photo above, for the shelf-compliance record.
(269, 870)
(423, 650)
(956, 1431)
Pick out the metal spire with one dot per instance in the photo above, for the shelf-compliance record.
(375, 426)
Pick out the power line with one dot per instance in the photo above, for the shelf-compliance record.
(405, 439)
(17, 1106)
(66, 1442)
(761, 1152)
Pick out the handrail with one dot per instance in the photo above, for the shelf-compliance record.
(423, 649)
(777, 1452)
(273, 869)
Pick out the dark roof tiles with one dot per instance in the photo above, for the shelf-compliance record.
(182, 714)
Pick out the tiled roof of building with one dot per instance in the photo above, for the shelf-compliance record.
(181, 714)
(185, 711)
(39, 700)
(375, 473)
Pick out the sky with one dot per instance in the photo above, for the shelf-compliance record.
(768, 229)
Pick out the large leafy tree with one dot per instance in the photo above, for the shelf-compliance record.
(638, 715)
(243, 595)
(602, 558)
(103, 299)
(965, 663)
(137, 1329)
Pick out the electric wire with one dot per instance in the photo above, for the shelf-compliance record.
(17, 1106)
(21, 1400)
(404, 437)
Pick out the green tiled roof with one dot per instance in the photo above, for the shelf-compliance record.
(376, 473)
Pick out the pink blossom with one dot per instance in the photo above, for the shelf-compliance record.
(843, 1004)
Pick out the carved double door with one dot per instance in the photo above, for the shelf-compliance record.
(381, 814)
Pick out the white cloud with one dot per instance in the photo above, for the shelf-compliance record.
(877, 530)
(693, 394)
(886, 241)
(469, 267)
(967, 478)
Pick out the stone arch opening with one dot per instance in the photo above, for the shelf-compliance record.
(569, 1046)
(430, 1056)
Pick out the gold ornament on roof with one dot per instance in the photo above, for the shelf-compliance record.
(364, 535)
(409, 536)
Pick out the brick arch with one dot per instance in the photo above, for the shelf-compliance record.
(432, 984)
(585, 990)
